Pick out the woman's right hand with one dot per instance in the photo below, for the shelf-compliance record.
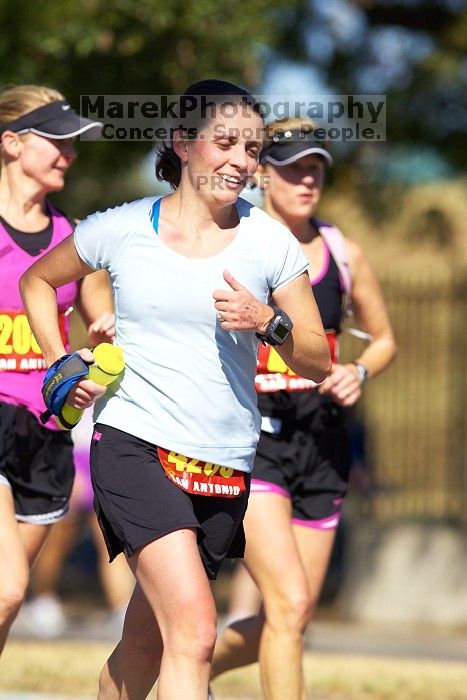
(237, 308)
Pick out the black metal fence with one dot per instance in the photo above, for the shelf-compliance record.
(415, 413)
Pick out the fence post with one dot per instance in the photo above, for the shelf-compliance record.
(457, 473)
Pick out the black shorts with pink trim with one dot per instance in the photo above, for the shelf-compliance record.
(136, 503)
(304, 454)
(36, 464)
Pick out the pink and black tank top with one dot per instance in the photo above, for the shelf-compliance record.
(273, 374)
(22, 365)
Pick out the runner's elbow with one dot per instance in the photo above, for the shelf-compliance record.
(321, 370)
(316, 363)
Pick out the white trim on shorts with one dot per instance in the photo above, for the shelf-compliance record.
(4, 481)
(43, 518)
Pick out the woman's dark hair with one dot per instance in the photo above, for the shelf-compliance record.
(168, 164)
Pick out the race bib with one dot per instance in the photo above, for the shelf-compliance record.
(201, 478)
(19, 350)
(272, 374)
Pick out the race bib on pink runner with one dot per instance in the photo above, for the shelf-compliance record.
(19, 351)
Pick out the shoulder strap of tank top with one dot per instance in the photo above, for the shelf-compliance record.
(335, 241)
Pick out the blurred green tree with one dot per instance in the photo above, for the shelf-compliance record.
(428, 103)
(414, 51)
(132, 47)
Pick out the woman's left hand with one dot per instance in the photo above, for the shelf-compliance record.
(343, 385)
(85, 392)
(238, 310)
(102, 330)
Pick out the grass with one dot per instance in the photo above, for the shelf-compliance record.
(71, 669)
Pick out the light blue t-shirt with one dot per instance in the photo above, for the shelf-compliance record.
(188, 384)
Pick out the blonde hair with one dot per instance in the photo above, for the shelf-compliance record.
(21, 99)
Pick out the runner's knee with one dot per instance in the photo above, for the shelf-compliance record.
(195, 640)
(12, 594)
(291, 613)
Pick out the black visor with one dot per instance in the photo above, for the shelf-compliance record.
(55, 120)
(292, 144)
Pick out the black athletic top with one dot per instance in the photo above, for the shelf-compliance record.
(328, 291)
(327, 288)
(32, 243)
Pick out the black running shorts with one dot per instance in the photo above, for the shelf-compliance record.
(307, 460)
(37, 464)
(137, 503)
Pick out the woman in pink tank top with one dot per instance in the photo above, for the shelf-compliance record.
(37, 132)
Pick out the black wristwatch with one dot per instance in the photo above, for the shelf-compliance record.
(278, 329)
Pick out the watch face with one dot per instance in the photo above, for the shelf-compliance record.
(281, 331)
(279, 328)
